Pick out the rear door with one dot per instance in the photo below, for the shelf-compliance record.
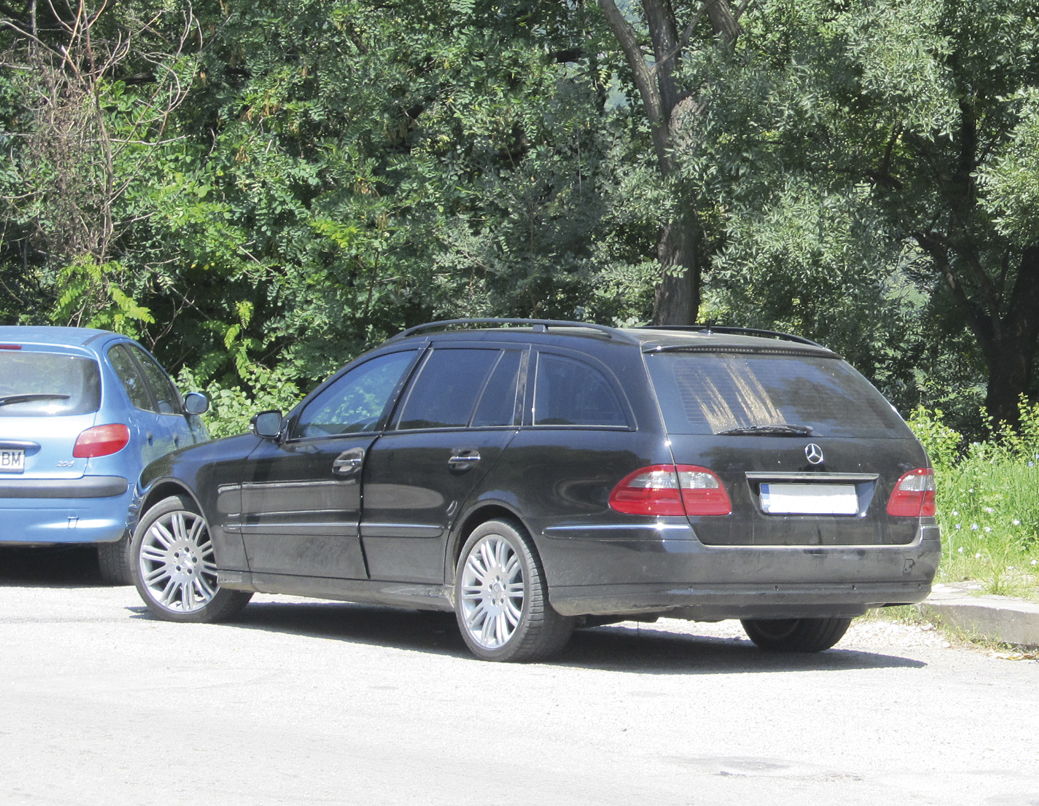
(301, 498)
(459, 415)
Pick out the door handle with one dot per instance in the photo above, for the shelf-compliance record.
(463, 459)
(348, 463)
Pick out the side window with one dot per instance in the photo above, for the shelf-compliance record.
(445, 392)
(497, 405)
(569, 392)
(356, 401)
(133, 381)
(158, 381)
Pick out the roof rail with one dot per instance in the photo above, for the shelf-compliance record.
(736, 331)
(538, 326)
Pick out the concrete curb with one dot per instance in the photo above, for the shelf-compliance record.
(992, 618)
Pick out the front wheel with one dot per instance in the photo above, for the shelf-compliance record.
(796, 634)
(501, 597)
(174, 568)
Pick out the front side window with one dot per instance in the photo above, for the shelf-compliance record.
(355, 402)
(36, 383)
(569, 392)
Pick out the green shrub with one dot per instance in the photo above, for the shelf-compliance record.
(232, 407)
(988, 502)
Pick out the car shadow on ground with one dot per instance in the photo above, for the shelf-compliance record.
(628, 648)
(49, 566)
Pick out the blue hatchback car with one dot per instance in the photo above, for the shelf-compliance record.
(81, 413)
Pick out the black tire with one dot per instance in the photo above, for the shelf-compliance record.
(173, 566)
(114, 561)
(797, 634)
(501, 597)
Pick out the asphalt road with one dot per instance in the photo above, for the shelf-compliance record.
(326, 703)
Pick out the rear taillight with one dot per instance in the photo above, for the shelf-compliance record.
(671, 490)
(101, 440)
(913, 496)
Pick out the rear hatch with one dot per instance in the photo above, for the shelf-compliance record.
(47, 399)
(808, 451)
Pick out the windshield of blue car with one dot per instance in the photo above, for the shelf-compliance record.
(38, 383)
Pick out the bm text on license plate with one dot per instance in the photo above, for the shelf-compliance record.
(12, 461)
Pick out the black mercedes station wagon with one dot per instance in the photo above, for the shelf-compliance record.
(536, 476)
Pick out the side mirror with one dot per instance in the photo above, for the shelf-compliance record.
(266, 424)
(196, 403)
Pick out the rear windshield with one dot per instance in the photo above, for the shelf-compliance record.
(47, 383)
(714, 393)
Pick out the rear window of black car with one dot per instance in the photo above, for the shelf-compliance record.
(37, 383)
(713, 393)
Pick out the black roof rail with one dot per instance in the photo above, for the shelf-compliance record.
(736, 331)
(538, 326)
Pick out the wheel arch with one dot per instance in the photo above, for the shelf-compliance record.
(487, 511)
(160, 491)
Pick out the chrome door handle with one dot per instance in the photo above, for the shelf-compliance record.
(463, 459)
(348, 463)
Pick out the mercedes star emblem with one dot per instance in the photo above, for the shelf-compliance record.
(814, 453)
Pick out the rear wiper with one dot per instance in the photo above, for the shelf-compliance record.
(780, 430)
(5, 401)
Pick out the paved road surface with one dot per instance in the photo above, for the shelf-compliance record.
(327, 703)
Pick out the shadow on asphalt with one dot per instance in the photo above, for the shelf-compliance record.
(49, 566)
(642, 649)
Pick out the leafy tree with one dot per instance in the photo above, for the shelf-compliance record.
(879, 158)
(655, 47)
(90, 89)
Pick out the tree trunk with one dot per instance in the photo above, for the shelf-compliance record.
(677, 297)
(1010, 343)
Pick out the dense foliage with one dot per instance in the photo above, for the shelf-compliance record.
(258, 191)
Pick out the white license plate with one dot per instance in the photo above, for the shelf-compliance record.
(809, 499)
(12, 461)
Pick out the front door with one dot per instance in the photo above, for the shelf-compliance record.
(301, 498)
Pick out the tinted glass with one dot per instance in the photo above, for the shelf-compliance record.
(356, 401)
(446, 390)
(708, 393)
(498, 403)
(165, 393)
(50, 383)
(569, 392)
(130, 377)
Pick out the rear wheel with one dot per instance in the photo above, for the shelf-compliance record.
(501, 597)
(174, 567)
(114, 561)
(796, 634)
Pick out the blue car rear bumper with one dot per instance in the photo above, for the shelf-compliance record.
(88, 510)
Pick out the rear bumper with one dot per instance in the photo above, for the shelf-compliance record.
(682, 578)
(88, 510)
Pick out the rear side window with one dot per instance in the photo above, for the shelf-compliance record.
(459, 387)
(33, 383)
(146, 383)
(569, 392)
(710, 393)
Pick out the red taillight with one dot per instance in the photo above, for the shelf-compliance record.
(671, 490)
(913, 496)
(101, 440)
